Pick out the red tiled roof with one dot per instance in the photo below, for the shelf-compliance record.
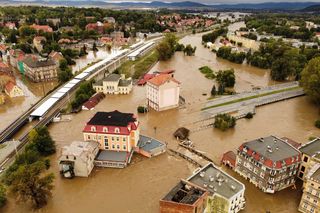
(9, 86)
(44, 28)
(145, 78)
(229, 157)
(161, 79)
(291, 142)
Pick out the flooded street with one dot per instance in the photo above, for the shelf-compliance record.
(16, 106)
(138, 188)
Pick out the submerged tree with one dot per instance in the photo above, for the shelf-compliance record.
(310, 79)
(30, 184)
(40, 138)
(224, 121)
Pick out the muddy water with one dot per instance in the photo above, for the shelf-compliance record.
(16, 106)
(139, 187)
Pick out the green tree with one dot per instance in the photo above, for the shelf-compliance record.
(65, 72)
(310, 79)
(42, 141)
(30, 184)
(164, 51)
(94, 47)
(224, 121)
(3, 198)
(213, 91)
(226, 78)
(189, 50)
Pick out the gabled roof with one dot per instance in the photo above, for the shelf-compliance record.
(112, 77)
(34, 62)
(9, 86)
(161, 79)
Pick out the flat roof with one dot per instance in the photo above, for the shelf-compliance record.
(136, 44)
(44, 107)
(216, 181)
(64, 90)
(315, 173)
(81, 75)
(146, 143)
(185, 193)
(58, 95)
(140, 50)
(69, 85)
(311, 148)
(74, 81)
(108, 155)
(272, 148)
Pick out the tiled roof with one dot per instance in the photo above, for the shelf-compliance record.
(9, 86)
(161, 79)
(34, 62)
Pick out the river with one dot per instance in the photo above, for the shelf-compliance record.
(138, 188)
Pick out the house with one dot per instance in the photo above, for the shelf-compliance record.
(226, 194)
(143, 80)
(38, 42)
(44, 28)
(40, 69)
(117, 134)
(15, 56)
(150, 147)
(11, 25)
(77, 159)
(163, 92)
(93, 101)
(106, 40)
(109, 20)
(98, 27)
(308, 150)
(185, 197)
(117, 35)
(310, 200)
(114, 84)
(270, 163)
(56, 56)
(12, 90)
(229, 159)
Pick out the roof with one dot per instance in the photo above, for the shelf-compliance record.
(124, 82)
(108, 155)
(216, 181)
(311, 148)
(314, 173)
(230, 157)
(77, 148)
(145, 78)
(114, 118)
(292, 142)
(9, 86)
(161, 79)
(112, 77)
(44, 107)
(272, 151)
(181, 133)
(34, 62)
(185, 193)
(148, 144)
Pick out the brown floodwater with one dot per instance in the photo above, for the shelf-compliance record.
(138, 188)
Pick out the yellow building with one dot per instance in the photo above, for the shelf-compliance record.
(308, 150)
(310, 200)
(12, 90)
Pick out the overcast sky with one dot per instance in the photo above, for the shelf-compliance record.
(220, 1)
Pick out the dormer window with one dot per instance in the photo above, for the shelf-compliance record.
(105, 129)
(93, 129)
(117, 130)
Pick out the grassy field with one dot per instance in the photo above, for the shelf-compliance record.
(136, 69)
(251, 97)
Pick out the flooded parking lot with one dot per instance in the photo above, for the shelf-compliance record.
(138, 188)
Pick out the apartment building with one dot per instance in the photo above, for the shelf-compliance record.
(163, 92)
(270, 163)
(309, 151)
(40, 69)
(226, 194)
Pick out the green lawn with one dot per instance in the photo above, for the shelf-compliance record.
(250, 97)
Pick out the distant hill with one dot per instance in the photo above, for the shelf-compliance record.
(175, 5)
(312, 8)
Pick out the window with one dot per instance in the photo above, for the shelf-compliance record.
(124, 139)
(117, 130)
(106, 139)
(105, 129)
(117, 138)
(88, 137)
(74, 158)
(93, 129)
(113, 147)
(305, 159)
(303, 168)
(124, 147)
(118, 146)
(67, 157)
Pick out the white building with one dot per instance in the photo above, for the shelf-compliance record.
(77, 159)
(114, 84)
(226, 194)
(163, 92)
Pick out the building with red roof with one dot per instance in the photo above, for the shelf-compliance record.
(117, 134)
(270, 163)
(229, 159)
(44, 28)
(12, 90)
(163, 92)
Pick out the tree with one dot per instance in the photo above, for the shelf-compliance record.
(226, 78)
(310, 79)
(94, 47)
(42, 141)
(189, 50)
(317, 123)
(224, 121)
(3, 198)
(213, 91)
(30, 184)
(164, 51)
(12, 37)
(65, 72)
